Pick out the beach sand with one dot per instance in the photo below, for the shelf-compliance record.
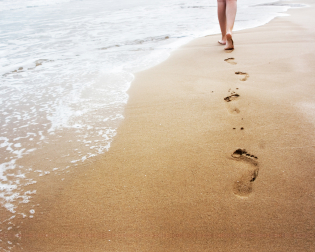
(205, 160)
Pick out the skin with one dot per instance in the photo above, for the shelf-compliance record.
(226, 15)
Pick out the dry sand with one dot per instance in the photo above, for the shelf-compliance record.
(170, 181)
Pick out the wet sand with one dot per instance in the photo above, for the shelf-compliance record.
(216, 153)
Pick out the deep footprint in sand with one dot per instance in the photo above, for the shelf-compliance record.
(248, 165)
(232, 108)
(231, 61)
(244, 76)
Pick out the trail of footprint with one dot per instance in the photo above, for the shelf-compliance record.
(231, 61)
(244, 76)
(232, 107)
(249, 168)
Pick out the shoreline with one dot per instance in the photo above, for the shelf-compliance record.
(170, 173)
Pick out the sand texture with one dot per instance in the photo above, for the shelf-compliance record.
(216, 153)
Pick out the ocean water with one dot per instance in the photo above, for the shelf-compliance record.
(65, 68)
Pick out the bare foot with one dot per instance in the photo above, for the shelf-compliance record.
(222, 42)
(229, 42)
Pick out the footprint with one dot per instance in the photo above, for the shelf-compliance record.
(230, 105)
(231, 61)
(232, 97)
(244, 76)
(249, 168)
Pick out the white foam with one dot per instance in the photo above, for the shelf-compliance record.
(4, 167)
(7, 5)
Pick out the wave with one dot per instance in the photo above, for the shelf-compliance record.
(138, 42)
(291, 5)
(9, 5)
(198, 7)
(30, 65)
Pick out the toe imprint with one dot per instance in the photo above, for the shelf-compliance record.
(231, 97)
(242, 153)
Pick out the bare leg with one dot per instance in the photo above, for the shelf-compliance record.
(231, 7)
(222, 20)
